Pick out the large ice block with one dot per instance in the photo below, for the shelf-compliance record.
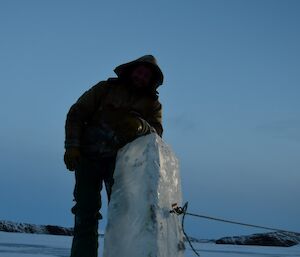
(147, 183)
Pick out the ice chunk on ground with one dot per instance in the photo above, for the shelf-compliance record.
(147, 183)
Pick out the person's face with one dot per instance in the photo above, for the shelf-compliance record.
(141, 76)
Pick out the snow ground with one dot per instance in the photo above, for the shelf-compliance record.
(36, 245)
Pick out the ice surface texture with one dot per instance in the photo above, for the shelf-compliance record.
(33, 245)
(147, 183)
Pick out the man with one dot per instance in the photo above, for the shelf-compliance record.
(105, 118)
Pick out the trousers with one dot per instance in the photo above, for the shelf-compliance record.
(90, 175)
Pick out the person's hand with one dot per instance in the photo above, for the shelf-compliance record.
(72, 158)
(129, 126)
(126, 124)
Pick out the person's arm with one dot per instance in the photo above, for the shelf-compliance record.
(80, 112)
(155, 118)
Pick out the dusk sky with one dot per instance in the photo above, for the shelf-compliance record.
(231, 109)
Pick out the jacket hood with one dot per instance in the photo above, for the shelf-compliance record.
(123, 69)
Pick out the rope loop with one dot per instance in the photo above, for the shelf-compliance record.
(179, 210)
(183, 210)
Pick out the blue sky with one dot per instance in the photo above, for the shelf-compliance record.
(230, 101)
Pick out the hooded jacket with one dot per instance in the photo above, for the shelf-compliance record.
(110, 98)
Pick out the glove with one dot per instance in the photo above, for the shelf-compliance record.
(126, 124)
(72, 157)
(132, 126)
(128, 127)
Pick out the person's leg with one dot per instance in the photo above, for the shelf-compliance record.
(110, 163)
(86, 210)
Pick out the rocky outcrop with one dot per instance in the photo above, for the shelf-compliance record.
(9, 226)
(263, 239)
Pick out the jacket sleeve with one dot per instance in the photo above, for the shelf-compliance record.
(80, 112)
(155, 118)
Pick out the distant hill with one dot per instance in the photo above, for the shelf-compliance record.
(9, 226)
(264, 239)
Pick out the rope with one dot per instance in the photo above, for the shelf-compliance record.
(242, 224)
(183, 210)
